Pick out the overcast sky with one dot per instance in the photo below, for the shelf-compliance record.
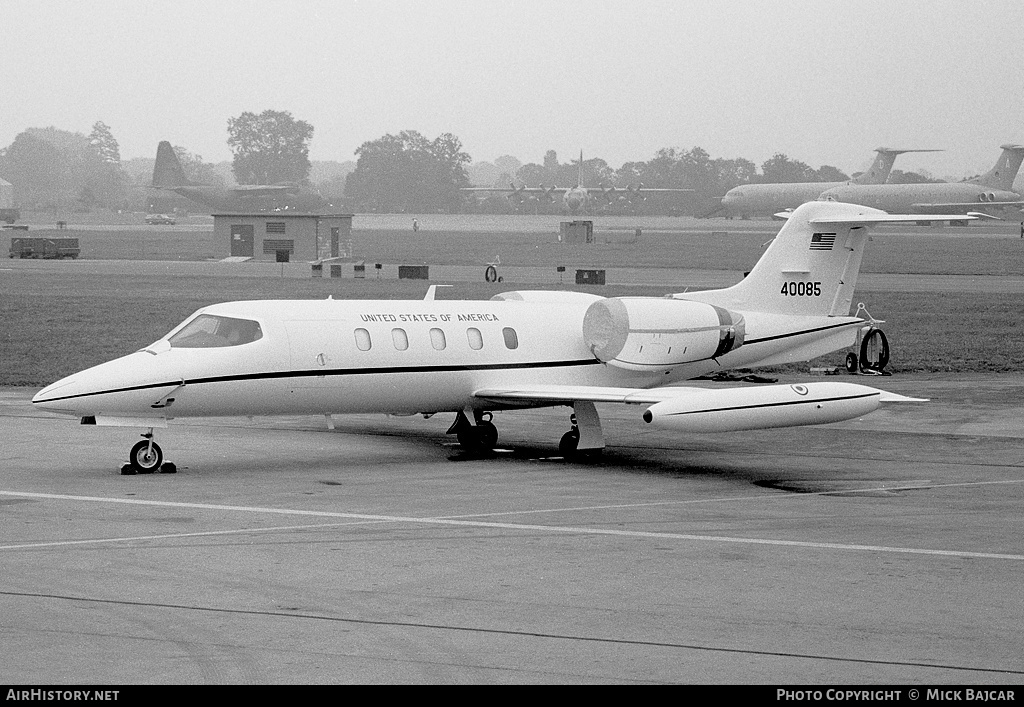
(823, 82)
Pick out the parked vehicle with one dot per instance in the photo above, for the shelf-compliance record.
(156, 219)
(44, 248)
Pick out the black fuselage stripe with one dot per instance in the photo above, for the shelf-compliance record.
(272, 375)
(748, 342)
(775, 405)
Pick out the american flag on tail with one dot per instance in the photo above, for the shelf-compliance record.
(823, 241)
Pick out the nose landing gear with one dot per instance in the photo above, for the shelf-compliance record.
(146, 457)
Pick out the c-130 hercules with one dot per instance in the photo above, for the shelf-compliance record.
(169, 174)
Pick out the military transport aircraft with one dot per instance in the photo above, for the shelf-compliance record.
(168, 174)
(579, 198)
(517, 350)
(990, 194)
(766, 199)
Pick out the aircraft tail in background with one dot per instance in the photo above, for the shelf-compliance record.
(878, 172)
(1002, 175)
(167, 171)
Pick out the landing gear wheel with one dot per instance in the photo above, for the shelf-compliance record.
(478, 438)
(568, 444)
(469, 438)
(488, 435)
(491, 274)
(146, 457)
(851, 363)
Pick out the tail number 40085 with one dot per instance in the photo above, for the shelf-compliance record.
(801, 289)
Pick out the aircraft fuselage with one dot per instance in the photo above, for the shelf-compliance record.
(918, 198)
(338, 356)
(767, 199)
(218, 198)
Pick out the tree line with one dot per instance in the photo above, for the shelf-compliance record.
(56, 169)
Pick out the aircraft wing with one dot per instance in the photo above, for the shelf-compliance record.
(567, 394)
(973, 205)
(667, 190)
(523, 190)
(692, 409)
(263, 189)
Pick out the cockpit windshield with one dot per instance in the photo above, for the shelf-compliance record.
(210, 331)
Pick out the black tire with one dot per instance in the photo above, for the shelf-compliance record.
(491, 274)
(144, 461)
(469, 438)
(851, 362)
(568, 444)
(488, 435)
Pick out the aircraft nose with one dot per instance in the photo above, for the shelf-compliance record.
(126, 385)
(56, 396)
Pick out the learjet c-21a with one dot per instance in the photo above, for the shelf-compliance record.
(517, 350)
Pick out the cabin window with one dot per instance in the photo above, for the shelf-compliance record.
(210, 331)
(437, 339)
(363, 342)
(511, 338)
(400, 338)
(476, 339)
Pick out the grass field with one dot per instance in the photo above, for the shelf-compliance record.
(54, 325)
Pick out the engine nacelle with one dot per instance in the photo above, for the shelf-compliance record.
(733, 409)
(648, 333)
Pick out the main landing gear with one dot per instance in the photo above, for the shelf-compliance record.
(479, 437)
(146, 457)
(583, 441)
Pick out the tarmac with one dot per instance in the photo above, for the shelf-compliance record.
(883, 550)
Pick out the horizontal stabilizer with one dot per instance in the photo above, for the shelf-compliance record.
(883, 217)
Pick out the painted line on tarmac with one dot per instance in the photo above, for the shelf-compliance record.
(574, 530)
(178, 536)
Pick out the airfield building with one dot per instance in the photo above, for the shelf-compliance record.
(283, 236)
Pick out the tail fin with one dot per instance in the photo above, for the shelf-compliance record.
(579, 172)
(878, 172)
(811, 267)
(1002, 175)
(167, 171)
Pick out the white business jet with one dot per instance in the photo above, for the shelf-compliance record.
(518, 350)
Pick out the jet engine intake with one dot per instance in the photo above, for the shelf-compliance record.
(648, 333)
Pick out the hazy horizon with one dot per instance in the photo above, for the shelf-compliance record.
(822, 83)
